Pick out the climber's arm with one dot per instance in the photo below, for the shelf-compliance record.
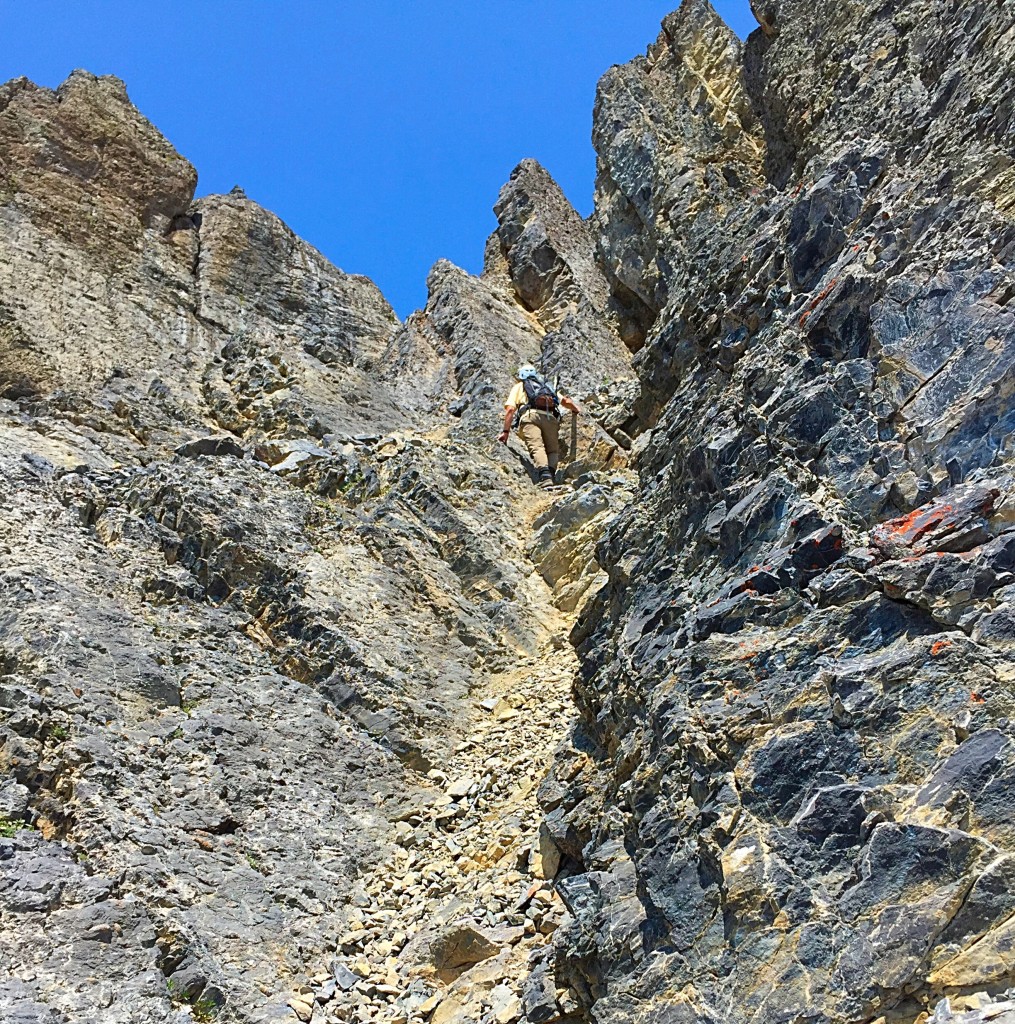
(509, 415)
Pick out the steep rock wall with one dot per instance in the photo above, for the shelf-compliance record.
(788, 795)
(254, 570)
(274, 603)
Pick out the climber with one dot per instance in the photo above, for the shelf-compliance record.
(533, 407)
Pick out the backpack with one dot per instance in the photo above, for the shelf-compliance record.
(539, 395)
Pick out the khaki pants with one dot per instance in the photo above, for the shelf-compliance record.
(540, 433)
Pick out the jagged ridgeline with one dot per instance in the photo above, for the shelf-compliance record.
(314, 708)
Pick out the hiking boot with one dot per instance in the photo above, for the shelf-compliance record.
(546, 478)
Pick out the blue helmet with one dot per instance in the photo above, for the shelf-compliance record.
(526, 372)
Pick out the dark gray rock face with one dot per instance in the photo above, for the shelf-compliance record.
(676, 137)
(789, 790)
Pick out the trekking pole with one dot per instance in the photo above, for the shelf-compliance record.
(574, 436)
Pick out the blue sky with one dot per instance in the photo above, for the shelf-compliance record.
(379, 130)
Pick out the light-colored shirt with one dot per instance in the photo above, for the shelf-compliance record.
(516, 397)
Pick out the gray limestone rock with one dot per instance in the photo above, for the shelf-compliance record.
(460, 946)
(247, 591)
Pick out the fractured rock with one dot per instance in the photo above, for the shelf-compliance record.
(460, 946)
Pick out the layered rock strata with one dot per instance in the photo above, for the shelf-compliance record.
(282, 640)
(257, 577)
(789, 792)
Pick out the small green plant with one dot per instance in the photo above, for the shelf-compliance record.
(59, 732)
(188, 707)
(253, 861)
(9, 828)
(205, 1009)
(202, 1009)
